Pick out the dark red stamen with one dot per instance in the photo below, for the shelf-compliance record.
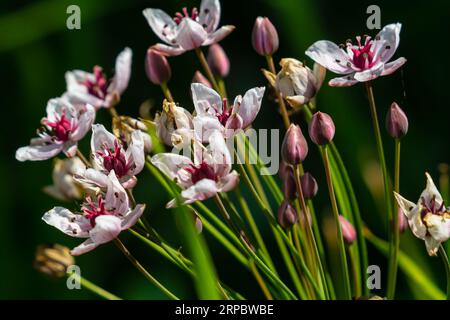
(61, 128)
(180, 16)
(93, 209)
(99, 86)
(115, 160)
(200, 172)
(226, 113)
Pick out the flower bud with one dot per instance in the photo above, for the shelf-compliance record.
(296, 82)
(287, 216)
(198, 224)
(264, 36)
(200, 78)
(396, 122)
(321, 128)
(218, 60)
(294, 149)
(53, 260)
(309, 186)
(348, 231)
(157, 67)
(289, 186)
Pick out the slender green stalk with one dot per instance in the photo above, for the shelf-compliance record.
(166, 91)
(392, 275)
(340, 242)
(444, 258)
(207, 69)
(281, 103)
(97, 290)
(138, 266)
(260, 281)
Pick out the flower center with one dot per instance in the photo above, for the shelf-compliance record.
(200, 172)
(61, 128)
(179, 16)
(115, 160)
(99, 86)
(93, 209)
(226, 113)
(362, 53)
(433, 207)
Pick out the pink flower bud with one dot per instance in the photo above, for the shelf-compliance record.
(309, 186)
(289, 187)
(348, 231)
(396, 121)
(218, 60)
(294, 149)
(321, 128)
(200, 78)
(198, 224)
(287, 216)
(264, 36)
(157, 67)
(402, 221)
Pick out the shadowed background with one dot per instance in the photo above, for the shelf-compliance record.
(36, 49)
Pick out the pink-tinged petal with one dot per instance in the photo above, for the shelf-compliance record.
(70, 148)
(206, 100)
(387, 41)
(345, 81)
(101, 138)
(74, 225)
(77, 92)
(204, 126)
(136, 152)
(209, 15)
(432, 245)
(229, 182)
(221, 158)
(298, 100)
(128, 182)
(369, 74)
(170, 163)
(122, 72)
(166, 50)
(84, 124)
(430, 192)
(85, 247)
(416, 224)
(202, 190)
(190, 34)
(250, 105)
(132, 217)
(234, 123)
(329, 55)
(116, 198)
(161, 23)
(92, 177)
(38, 152)
(107, 227)
(218, 35)
(391, 67)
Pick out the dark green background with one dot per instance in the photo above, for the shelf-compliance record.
(36, 49)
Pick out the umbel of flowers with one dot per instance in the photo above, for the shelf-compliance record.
(203, 157)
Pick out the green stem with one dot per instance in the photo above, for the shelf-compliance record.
(340, 242)
(392, 276)
(166, 91)
(138, 266)
(207, 69)
(97, 290)
(444, 258)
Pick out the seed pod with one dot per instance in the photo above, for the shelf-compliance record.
(53, 260)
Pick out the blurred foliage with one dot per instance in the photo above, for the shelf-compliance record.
(36, 49)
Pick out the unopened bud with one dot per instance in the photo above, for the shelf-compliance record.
(200, 78)
(348, 231)
(218, 60)
(294, 149)
(264, 36)
(321, 128)
(396, 121)
(53, 260)
(198, 224)
(309, 186)
(402, 221)
(287, 216)
(157, 67)
(289, 186)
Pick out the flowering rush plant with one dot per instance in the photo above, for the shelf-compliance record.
(208, 159)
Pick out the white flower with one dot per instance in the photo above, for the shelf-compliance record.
(203, 178)
(187, 30)
(362, 62)
(109, 155)
(214, 113)
(95, 89)
(429, 219)
(63, 127)
(100, 221)
(64, 186)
